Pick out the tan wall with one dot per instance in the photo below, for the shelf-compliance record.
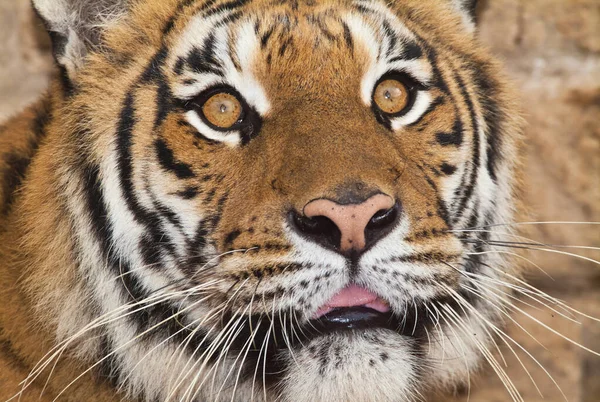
(551, 48)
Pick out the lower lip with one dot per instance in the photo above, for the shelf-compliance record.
(350, 318)
(377, 305)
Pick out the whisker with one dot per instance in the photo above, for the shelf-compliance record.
(527, 289)
(505, 337)
(506, 381)
(250, 342)
(126, 344)
(534, 223)
(528, 242)
(522, 291)
(498, 244)
(99, 322)
(504, 377)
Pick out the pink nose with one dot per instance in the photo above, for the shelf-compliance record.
(353, 220)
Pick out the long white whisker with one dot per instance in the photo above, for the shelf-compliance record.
(505, 337)
(126, 344)
(506, 381)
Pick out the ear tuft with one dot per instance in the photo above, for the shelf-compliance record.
(76, 26)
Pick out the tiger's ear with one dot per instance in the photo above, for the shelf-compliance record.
(75, 27)
(467, 10)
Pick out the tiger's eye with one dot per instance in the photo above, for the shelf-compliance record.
(391, 96)
(222, 110)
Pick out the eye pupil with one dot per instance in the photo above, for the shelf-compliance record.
(223, 108)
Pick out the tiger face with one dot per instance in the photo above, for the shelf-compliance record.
(275, 197)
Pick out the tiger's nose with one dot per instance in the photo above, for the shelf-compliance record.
(346, 227)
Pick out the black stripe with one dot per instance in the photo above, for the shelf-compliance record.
(179, 65)
(325, 31)
(194, 251)
(432, 57)
(189, 193)
(264, 39)
(109, 368)
(231, 236)
(391, 36)
(348, 37)
(475, 158)
(133, 289)
(154, 68)
(202, 60)
(164, 104)
(11, 178)
(228, 6)
(168, 161)
(284, 46)
(493, 117)
(164, 211)
(178, 12)
(11, 357)
(206, 5)
(17, 163)
(410, 51)
(231, 18)
(455, 137)
(470, 6)
(125, 166)
(448, 169)
(442, 209)
(151, 255)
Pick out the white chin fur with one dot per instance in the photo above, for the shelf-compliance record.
(375, 365)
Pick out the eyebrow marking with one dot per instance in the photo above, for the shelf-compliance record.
(203, 59)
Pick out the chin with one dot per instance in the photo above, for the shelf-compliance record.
(354, 365)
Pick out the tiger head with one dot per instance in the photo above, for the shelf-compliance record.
(272, 199)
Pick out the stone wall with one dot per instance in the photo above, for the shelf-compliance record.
(551, 49)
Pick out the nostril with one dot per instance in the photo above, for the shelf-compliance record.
(317, 228)
(381, 223)
(383, 218)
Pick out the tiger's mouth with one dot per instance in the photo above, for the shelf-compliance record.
(352, 308)
(266, 339)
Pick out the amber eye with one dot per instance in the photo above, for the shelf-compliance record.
(222, 110)
(391, 96)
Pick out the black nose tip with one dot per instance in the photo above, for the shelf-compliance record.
(335, 235)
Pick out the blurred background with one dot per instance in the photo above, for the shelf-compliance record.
(551, 50)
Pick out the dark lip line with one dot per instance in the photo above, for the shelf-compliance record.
(338, 320)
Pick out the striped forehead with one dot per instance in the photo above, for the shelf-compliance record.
(223, 47)
(213, 50)
(389, 44)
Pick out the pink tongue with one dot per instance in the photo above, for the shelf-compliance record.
(353, 296)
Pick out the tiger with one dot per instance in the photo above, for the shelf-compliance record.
(238, 200)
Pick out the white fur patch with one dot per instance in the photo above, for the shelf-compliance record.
(361, 366)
